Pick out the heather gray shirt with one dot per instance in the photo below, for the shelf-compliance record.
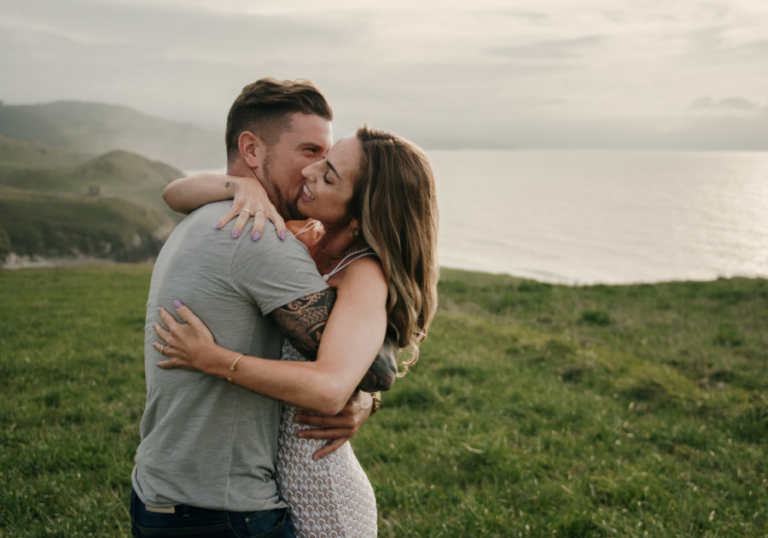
(205, 442)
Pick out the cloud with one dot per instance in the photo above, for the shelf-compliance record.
(535, 17)
(178, 33)
(759, 46)
(730, 104)
(550, 49)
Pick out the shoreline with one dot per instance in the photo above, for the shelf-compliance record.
(19, 263)
(14, 262)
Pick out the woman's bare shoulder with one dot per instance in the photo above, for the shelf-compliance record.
(363, 272)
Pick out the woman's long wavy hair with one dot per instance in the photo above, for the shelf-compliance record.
(395, 202)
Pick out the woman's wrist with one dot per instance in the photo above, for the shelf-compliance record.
(233, 184)
(217, 360)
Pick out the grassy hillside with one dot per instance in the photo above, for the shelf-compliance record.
(66, 226)
(116, 169)
(16, 153)
(99, 128)
(534, 410)
(118, 173)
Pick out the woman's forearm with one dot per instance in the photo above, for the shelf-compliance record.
(187, 194)
(308, 385)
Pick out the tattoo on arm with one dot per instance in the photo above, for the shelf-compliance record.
(227, 185)
(303, 320)
(382, 373)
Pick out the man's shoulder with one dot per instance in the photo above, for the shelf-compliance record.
(269, 242)
(273, 271)
(203, 217)
(215, 209)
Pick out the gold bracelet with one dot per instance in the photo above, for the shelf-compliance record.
(376, 403)
(232, 368)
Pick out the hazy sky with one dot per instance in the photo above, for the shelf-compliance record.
(543, 73)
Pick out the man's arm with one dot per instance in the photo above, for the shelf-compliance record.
(382, 373)
(303, 322)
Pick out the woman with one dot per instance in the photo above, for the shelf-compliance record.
(373, 228)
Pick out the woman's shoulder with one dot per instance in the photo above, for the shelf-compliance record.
(364, 271)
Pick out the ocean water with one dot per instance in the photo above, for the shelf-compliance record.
(604, 216)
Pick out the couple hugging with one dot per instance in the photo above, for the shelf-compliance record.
(334, 294)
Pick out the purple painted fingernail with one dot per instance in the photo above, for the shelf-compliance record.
(282, 235)
(218, 225)
(157, 364)
(236, 234)
(256, 236)
(177, 304)
(159, 308)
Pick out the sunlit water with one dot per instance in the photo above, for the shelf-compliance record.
(610, 217)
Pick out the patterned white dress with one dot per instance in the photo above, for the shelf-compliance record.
(329, 498)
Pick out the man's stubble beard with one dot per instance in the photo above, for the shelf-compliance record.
(291, 207)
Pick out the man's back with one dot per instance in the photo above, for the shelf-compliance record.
(205, 442)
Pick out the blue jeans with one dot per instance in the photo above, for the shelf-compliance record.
(204, 523)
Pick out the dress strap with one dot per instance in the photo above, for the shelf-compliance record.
(308, 226)
(362, 253)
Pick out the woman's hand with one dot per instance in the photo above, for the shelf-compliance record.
(251, 200)
(340, 428)
(190, 347)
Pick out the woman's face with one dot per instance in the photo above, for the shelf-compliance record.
(330, 183)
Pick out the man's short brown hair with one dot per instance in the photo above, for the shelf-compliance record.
(265, 106)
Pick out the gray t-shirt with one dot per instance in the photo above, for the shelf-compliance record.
(205, 442)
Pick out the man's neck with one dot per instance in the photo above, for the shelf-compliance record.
(239, 169)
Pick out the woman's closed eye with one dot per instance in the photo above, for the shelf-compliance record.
(325, 178)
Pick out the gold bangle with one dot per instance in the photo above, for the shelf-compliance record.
(376, 403)
(232, 368)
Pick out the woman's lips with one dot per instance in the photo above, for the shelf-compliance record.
(308, 194)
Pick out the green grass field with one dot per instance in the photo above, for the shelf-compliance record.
(534, 410)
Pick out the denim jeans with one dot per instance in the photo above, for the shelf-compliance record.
(204, 523)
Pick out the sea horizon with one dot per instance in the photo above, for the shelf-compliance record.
(593, 216)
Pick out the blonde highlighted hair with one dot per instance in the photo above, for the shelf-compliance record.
(396, 204)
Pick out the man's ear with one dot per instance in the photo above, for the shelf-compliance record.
(252, 149)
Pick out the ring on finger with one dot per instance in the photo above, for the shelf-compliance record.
(254, 213)
(162, 349)
(248, 211)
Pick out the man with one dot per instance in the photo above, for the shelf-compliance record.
(205, 465)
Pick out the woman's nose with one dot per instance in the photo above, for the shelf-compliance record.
(310, 172)
(307, 172)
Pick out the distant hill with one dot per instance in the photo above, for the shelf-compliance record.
(16, 153)
(97, 128)
(127, 168)
(117, 174)
(43, 225)
(47, 213)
